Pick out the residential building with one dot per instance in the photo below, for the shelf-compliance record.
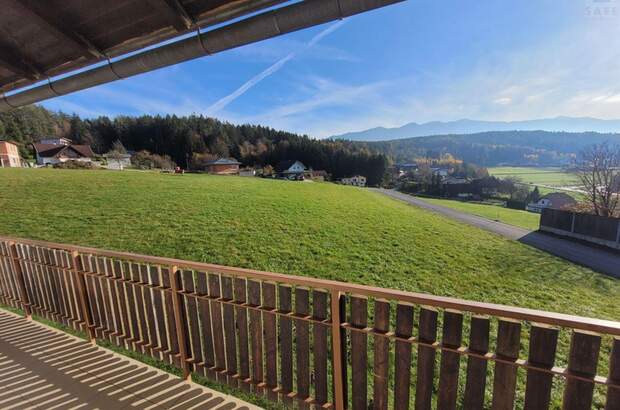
(247, 172)
(9, 155)
(223, 166)
(357, 180)
(56, 141)
(118, 161)
(318, 175)
(58, 151)
(290, 169)
(554, 200)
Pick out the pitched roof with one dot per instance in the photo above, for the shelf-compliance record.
(224, 161)
(559, 199)
(54, 150)
(284, 165)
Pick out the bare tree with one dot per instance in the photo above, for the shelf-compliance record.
(598, 169)
(117, 153)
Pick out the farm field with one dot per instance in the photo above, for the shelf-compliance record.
(314, 229)
(543, 176)
(523, 219)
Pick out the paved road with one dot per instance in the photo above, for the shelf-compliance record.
(594, 258)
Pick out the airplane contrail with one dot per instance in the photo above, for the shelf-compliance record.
(224, 101)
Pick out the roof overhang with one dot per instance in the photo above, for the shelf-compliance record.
(115, 39)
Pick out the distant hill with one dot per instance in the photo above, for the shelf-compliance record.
(541, 148)
(465, 126)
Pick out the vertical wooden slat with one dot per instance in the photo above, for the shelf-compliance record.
(204, 316)
(402, 357)
(476, 367)
(505, 378)
(17, 268)
(229, 328)
(381, 355)
(139, 305)
(216, 322)
(256, 332)
(148, 309)
(613, 393)
(543, 342)
(103, 293)
(582, 361)
(171, 325)
(242, 330)
(179, 319)
(132, 308)
(271, 338)
(158, 307)
(426, 358)
(114, 301)
(302, 345)
(450, 361)
(319, 346)
(194, 350)
(359, 353)
(339, 353)
(286, 339)
(82, 295)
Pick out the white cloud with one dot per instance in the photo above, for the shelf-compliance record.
(223, 102)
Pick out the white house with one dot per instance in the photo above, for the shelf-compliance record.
(357, 180)
(290, 168)
(555, 200)
(118, 161)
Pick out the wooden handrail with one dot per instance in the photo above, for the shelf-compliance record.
(532, 315)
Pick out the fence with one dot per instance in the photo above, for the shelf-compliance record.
(312, 342)
(592, 228)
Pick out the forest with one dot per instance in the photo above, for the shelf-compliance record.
(188, 140)
(515, 148)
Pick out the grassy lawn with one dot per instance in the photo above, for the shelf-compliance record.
(544, 176)
(314, 229)
(523, 219)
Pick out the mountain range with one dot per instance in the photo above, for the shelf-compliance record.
(466, 126)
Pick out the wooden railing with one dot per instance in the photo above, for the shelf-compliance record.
(312, 342)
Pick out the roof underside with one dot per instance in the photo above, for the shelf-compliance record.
(41, 39)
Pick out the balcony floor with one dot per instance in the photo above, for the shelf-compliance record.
(43, 368)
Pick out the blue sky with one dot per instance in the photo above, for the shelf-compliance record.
(420, 60)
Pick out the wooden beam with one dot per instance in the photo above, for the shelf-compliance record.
(16, 63)
(39, 17)
(174, 12)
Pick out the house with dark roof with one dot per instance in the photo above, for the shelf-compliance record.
(55, 151)
(554, 200)
(223, 166)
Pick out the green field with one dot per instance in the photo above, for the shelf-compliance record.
(555, 177)
(523, 219)
(315, 229)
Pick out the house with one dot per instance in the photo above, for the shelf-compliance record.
(290, 169)
(555, 200)
(442, 172)
(223, 166)
(357, 180)
(318, 175)
(118, 161)
(59, 150)
(56, 141)
(9, 155)
(247, 172)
